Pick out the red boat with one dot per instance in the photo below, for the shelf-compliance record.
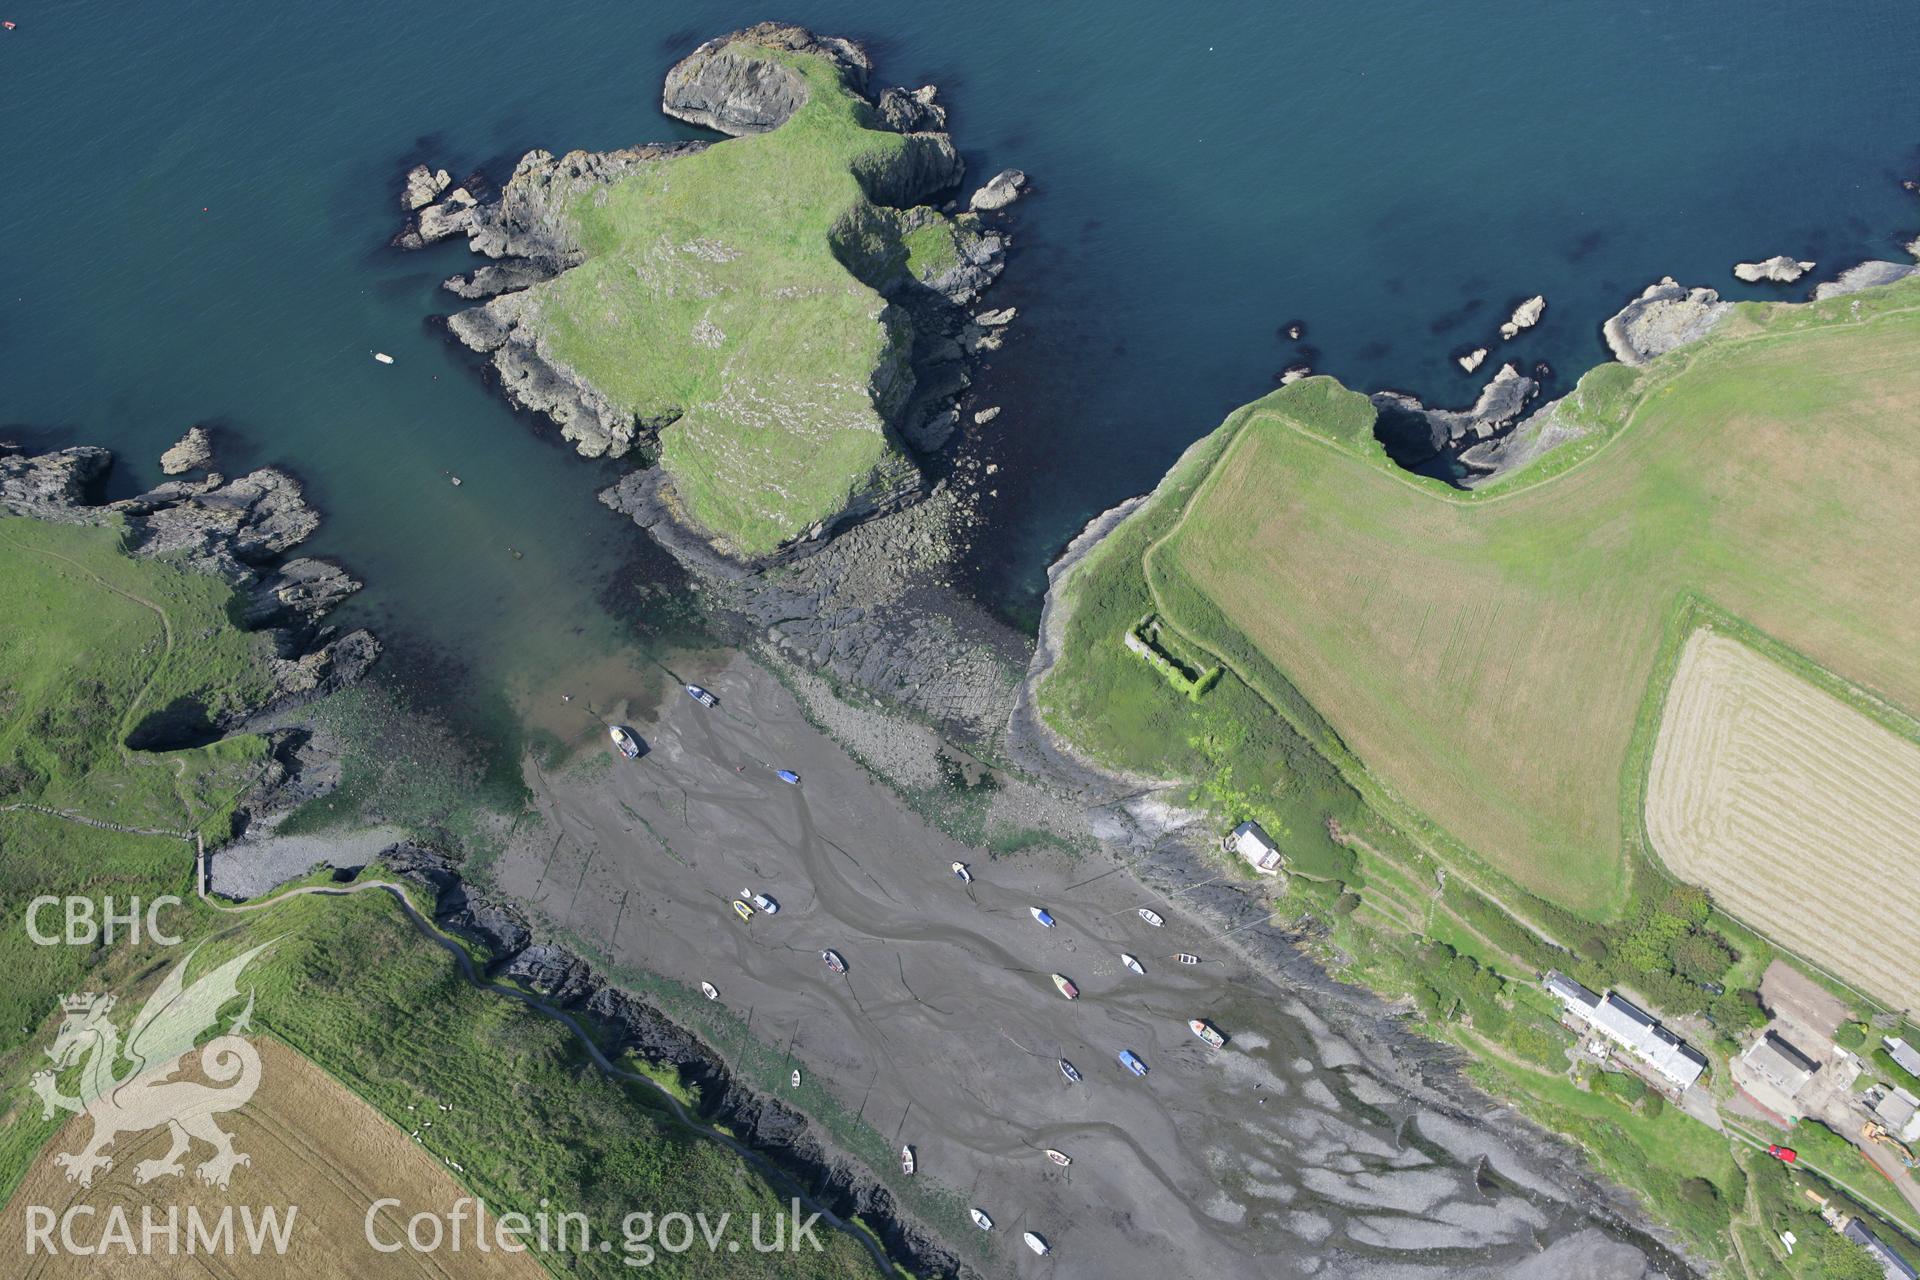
(1066, 986)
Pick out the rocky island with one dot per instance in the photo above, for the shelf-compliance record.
(784, 348)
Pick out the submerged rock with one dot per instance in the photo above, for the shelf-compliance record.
(722, 86)
(1001, 190)
(1775, 270)
(1665, 316)
(1865, 276)
(193, 451)
(1525, 316)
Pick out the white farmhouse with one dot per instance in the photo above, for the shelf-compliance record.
(1632, 1028)
(1253, 844)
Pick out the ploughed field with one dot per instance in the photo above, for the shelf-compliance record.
(1495, 659)
(313, 1147)
(1793, 808)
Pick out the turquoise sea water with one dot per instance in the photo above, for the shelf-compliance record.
(198, 197)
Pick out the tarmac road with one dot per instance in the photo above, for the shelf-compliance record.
(1282, 1154)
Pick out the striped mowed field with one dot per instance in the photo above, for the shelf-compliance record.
(1793, 808)
(1491, 658)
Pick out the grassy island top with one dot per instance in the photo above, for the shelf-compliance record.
(734, 293)
(1490, 666)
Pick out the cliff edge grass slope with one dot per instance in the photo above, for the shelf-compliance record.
(1490, 664)
(752, 302)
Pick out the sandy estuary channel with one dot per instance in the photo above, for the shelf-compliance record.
(1319, 1141)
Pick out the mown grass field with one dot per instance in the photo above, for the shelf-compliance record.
(1491, 658)
(349, 983)
(1789, 805)
(735, 289)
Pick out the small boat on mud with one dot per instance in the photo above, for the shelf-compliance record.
(1066, 986)
(1131, 1061)
(1132, 964)
(1151, 916)
(1187, 957)
(906, 1161)
(1071, 1072)
(1041, 914)
(796, 1077)
(1037, 1243)
(710, 991)
(787, 776)
(1207, 1032)
(832, 960)
(1060, 1158)
(701, 696)
(742, 910)
(980, 1219)
(628, 744)
(960, 870)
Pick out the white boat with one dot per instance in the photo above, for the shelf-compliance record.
(761, 901)
(628, 744)
(796, 1077)
(701, 696)
(1207, 1032)
(1042, 915)
(1060, 1158)
(906, 1161)
(383, 357)
(1187, 957)
(1037, 1243)
(1132, 964)
(1151, 916)
(960, 869)
(981, 1220)
(710, 991)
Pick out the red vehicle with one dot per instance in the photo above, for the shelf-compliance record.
(1786, 1155)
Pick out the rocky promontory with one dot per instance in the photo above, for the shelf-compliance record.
(785, 326)
(240, 530)
(1666, 315)
(1775, 270)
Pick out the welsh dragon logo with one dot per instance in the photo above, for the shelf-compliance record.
(143, 1096)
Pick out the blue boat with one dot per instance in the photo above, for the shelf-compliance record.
(1041, 914)
(1132, 1062)
(787, 775)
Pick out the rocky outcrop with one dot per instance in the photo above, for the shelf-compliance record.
(1913, 247)
(1776, 270)
(1497, 408)
(1865, 276)
(493, 280)
(423, 187)
(1002, 189)
(193, 451)
(1473, 359)
(914, 112)
(1667, 315)
(234, 529)
(534, 380)
(722, 86)
(1525, 316)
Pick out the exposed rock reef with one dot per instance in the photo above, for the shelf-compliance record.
(1497, 408)
(1525, 316)
(236, 529)
(1776, 270)
(193, 451)
(764, 461)
(1865, 276)
(1001, 190)
(1666, 315)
